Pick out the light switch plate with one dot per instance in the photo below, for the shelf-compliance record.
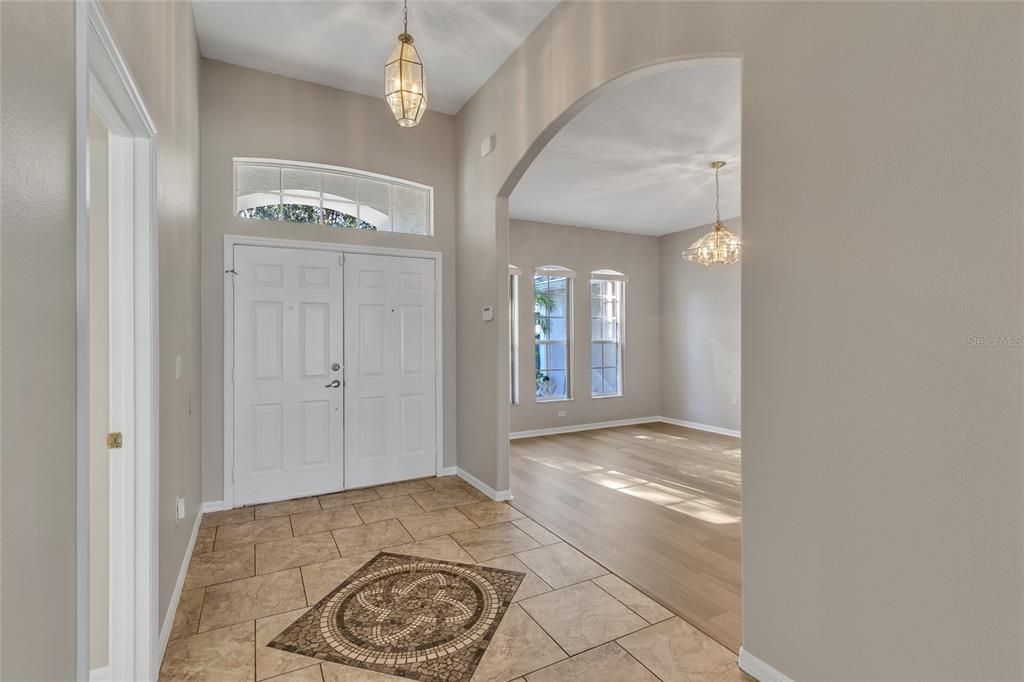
(177, 366)
(488, 313)
(181, 508)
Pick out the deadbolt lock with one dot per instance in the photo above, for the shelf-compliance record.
(335, 367)
(114, 440)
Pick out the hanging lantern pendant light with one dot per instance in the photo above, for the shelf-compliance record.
(720, 246)
(405, 86)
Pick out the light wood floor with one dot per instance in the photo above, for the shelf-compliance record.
(657, 504)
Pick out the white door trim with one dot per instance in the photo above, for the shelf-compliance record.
(104, 82)
(233, 240)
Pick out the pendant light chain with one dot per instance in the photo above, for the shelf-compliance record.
(405, 16)
(718, 215)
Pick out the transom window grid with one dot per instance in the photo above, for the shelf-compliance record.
(327, 195)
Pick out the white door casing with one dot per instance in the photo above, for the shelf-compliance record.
(391, 369)
(288, 418)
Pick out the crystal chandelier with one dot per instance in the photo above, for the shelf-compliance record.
(405, 86)
(720, 246)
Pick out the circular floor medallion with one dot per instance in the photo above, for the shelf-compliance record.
(409, 613)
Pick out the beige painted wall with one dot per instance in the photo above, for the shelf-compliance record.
(37, 334)
(882, 451)
(99, 394)
(585, 250)
(159, 42)
(252, 113)
(700, 335)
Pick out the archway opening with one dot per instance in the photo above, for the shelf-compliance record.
(623, 359)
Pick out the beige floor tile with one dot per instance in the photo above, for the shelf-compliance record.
(402, 488)
(308, 523)
(390, 508)
(286, 507)
(308, 674)
(252, 598)
(443, 548)
(442, 498)
(219, 567)
(224, 655)
(537, 531)
(204, 540)
(519, 646)
(348, 497)
(607, 662)
(561, 565)
(444, 482)
(494, 541)
(644, 606)
(251, 532)
(582, 616)
(359, 539)
(490, 513)
(675, 651)
(278, 555)
(319, 579)
(227, 516)
(186, 616)
(432, 524)
(333, 672)
(531, 586)
(271, 661)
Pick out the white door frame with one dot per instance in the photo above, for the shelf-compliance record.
(104, 83)
(233, 240)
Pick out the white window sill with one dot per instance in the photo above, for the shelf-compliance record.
(611, 395)
(554, 400)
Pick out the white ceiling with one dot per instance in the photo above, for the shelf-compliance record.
(636, 159)
(345, 44)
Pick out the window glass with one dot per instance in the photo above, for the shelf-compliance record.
(552, 324)
(269, 190)
(605, 337)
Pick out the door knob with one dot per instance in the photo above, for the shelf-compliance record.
(334, 384)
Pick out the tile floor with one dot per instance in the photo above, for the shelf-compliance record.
(256, 570)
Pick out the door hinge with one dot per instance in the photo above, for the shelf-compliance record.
(232, 474)
(115, 440)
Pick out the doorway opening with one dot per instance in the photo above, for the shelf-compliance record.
(624, 358)
(116, 395)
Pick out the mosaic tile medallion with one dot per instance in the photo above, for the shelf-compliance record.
(423, 619)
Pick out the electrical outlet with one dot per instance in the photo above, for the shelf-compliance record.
(181, 508)
(177, 367)
(561, 413)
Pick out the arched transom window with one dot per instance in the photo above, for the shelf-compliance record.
(266, 189)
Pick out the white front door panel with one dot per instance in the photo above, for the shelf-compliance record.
(288, 334)
(390, 394)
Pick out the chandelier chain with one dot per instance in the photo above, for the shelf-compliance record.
(405, 16)
(718, 215)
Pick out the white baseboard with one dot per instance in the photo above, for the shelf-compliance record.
(214, 506)
(700, 427)
(448, 471)
(582, 427)
(172, 608)
(496, 495)
(100, 674)
(758, 669)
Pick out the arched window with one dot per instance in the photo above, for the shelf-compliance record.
(552, 312)
(266, 189)
(607, 304)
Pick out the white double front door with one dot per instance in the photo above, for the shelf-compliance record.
(334, 371)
